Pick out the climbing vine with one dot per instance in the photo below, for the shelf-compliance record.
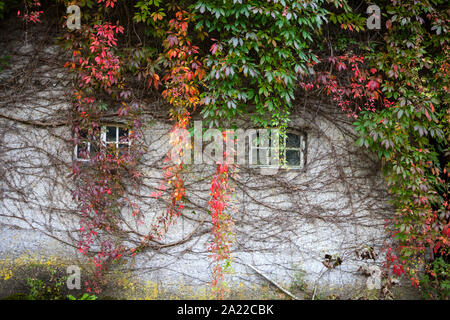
(101, 192)
(222, 231)
(182, 93)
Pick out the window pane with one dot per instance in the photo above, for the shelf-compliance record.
(123, 149)
(123, 134)
(253, 140)
(94, 148)
(264, 138)
(111, 134)
(83, 134)
(82, 150)
(263, 157)
(275, 156)
(254, 157)
(111, 146)
(293, 157)
(292, 140)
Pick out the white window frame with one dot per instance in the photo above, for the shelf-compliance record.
(301, 148)
(103, 141)
(117, 142)
(88, 152)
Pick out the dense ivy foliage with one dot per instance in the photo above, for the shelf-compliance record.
(235, 57)
(259, 48)
(411, 134)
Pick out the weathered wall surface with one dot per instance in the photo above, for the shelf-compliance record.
(284, 223)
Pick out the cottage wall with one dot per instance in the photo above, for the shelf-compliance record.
(285, 223)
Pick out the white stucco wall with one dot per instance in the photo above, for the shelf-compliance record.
(284, 222)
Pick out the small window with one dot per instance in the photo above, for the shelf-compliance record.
(114, 138)
(262, 148)
(294, 149)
